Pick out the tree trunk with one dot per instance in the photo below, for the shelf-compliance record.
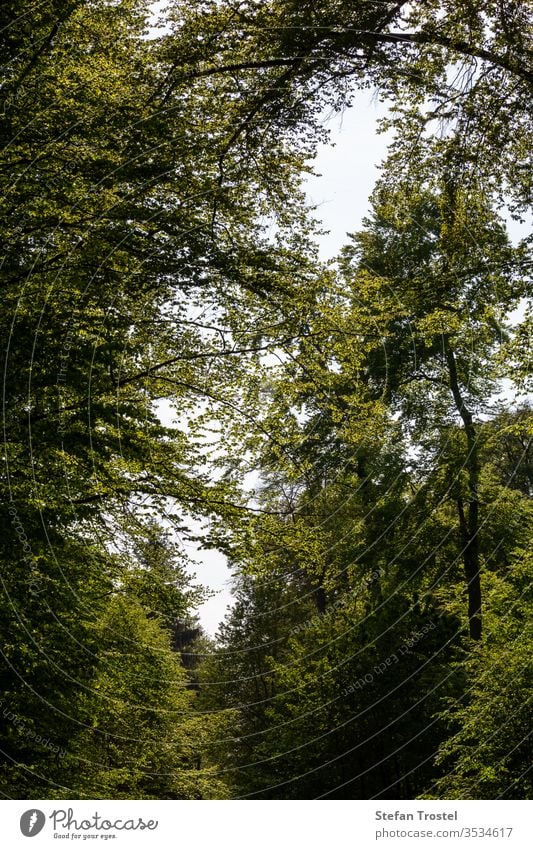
(469, 518)
(320, 599)
(471, 567)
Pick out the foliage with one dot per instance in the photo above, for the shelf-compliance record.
(168, 329)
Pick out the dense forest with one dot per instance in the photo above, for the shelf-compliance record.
(180, 369)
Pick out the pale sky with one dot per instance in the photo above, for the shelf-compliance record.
(348, 169)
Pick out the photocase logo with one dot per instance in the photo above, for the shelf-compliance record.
(32, 822)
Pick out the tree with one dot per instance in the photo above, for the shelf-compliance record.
(385, 468)
(461, 68)
(487, 754)
(109, 244)
(450, 278)
(142, 738)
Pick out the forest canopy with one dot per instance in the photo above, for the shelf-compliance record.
(159, 254)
